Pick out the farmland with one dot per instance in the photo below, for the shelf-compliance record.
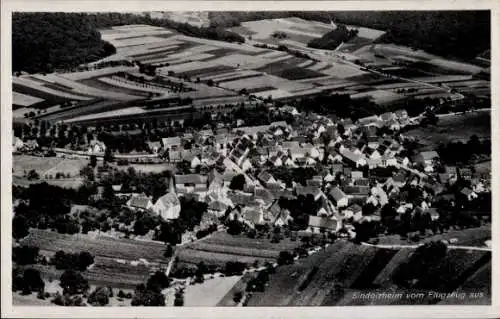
(101, 246)
(210, 292)
(222, 247)
(228, 67)
(332, 276)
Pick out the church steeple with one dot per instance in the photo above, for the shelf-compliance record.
(171, 185)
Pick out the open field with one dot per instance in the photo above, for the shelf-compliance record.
(451, 128)
(46, 166)
(210, 292)
(148, 168)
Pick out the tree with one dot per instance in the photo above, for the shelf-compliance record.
(237, 297)
(32, 175)
(32, 281)
(73, 282)
(237, 182)
(108, 156)
(169, 251)
(157, 282)
(20, 227)
(285, 258)
(100, 296)
(179, 298)
(25, 255)
(93, 160)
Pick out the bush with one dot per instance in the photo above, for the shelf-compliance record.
(237, 296)
(73, 282)
(100, 296)
(233, 268)
(285, 258)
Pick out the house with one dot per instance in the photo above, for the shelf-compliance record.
(388, 116)
(426, 158)
(309, 190)
(357, 191)
(253, 216)
(368, 121)
(190, 182)
(353, 159)
(266, 178)
(171, 142)
(465, 174)
(153, 147)
(319, 224)
(469, 193)
(388, 160)
(140, 202)
(338, 197)
(354, 211)
(217, 207)
(401, 114)
(31, 145)
(283, 218)
(433, 213)
(17, 143)
(355, 175)
(372, 154)
(96, 146)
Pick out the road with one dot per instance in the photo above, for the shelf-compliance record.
(416, 246)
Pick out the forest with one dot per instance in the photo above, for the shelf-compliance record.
(333, 39)
(43, 42)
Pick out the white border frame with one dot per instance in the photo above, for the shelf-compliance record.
(8, 6)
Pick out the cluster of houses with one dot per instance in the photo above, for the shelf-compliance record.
(357, 168)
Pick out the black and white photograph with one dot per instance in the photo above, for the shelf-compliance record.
(250, 158)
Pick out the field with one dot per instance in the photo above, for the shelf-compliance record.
(46, 166)
(451, 128)
(332, 276)
(222, 247)
(210, 292)
(101, 246)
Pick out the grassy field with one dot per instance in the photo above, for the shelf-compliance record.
(466, 237)
(46, 166)
(451, 128)
(210, 292)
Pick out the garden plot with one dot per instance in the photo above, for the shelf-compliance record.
(89, 90)
(455, 66)
(343, 71)
(77, 76)
(179, 58)
(37, 86)
(266, 80)
(24, 100)
(121, 82)
(232, 75)
(219, 44)
(136, 41)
